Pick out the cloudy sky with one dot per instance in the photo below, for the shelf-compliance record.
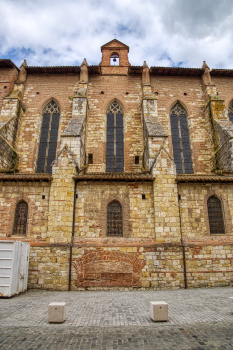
(162, 32)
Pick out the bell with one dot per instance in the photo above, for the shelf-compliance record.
(114, 59)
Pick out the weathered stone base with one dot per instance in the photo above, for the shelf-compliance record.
(153, 266)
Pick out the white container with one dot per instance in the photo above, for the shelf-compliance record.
(14, 261)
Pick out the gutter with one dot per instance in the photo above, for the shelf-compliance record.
(183, 247)
(72, 237)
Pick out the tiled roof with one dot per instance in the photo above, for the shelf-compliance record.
(53, 69)
(177, 71)
(25, 177)
(6, 63)
(114, 177)
(222, 72)
(203, 178)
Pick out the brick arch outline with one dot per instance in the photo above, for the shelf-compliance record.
(225, 213)
(15, 201)
(123, 200)
(42, 106)
(91, 256)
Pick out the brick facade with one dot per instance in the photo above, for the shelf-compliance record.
(164, 215)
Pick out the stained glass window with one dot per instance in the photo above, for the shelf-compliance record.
(20, 222)
(215, 215)
(180, 140)
(115, 139)
(230, 111)
(114, 219)
(48, 138)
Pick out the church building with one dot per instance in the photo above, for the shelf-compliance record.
(118, 176)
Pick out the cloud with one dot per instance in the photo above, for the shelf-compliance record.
(164, 33)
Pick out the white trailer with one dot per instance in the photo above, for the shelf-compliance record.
(14, 261)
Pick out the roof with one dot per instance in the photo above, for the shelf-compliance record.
(61, 69)
(177, 71)
(135, 69)
(203, 178)
(26, 177)
(6, 63)
(222, 72)
(117, 43)
(130, 177)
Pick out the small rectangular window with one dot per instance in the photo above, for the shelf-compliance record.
(136, 159)
(143, 196)
(90, 158)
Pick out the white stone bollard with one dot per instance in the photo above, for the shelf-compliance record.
(231, 304)
(57, 312)
(159, 311)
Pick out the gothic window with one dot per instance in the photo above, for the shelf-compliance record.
(180, 140)
(20, 222)
(230, 111)
(114, 225)
(48, 138)
(215, 215)
(115, 139)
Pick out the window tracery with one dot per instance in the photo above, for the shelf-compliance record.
(115, 139)
(48, 138)
(180, 140)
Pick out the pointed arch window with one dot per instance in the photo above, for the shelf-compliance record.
(20, 221)
(230, 111)
(114, 217)
(48, 138)
(115, 139)
(180, 140)
(215, 215)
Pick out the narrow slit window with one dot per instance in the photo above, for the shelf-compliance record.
(136, 159)
(230, 111)
(180, 140)
(215, 215)
(115, 139)
(20, 221)
(48, 138)
(114, 218)
(90, 158)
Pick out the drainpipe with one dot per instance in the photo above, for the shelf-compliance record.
(183, 247)
(72, 237)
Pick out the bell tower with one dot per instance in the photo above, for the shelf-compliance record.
(114, 54)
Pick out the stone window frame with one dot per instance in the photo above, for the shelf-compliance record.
(230, 105)
(124, 128)
(124, 202)
(122, 216)
(182, 104)
(225, 212)
(12, 216)
(44, 104)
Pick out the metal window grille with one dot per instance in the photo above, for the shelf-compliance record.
(215, 215)
(20, 222)
(180, 140)
(114, 220)
(115, 139)
(230, 111)
(48, 138)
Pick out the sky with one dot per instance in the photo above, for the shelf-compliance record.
(173, 33)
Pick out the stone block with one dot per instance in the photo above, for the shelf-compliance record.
(57, 312)
(159, 311)
(231, 304)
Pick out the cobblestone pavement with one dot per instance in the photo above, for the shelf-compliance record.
(198, 319)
